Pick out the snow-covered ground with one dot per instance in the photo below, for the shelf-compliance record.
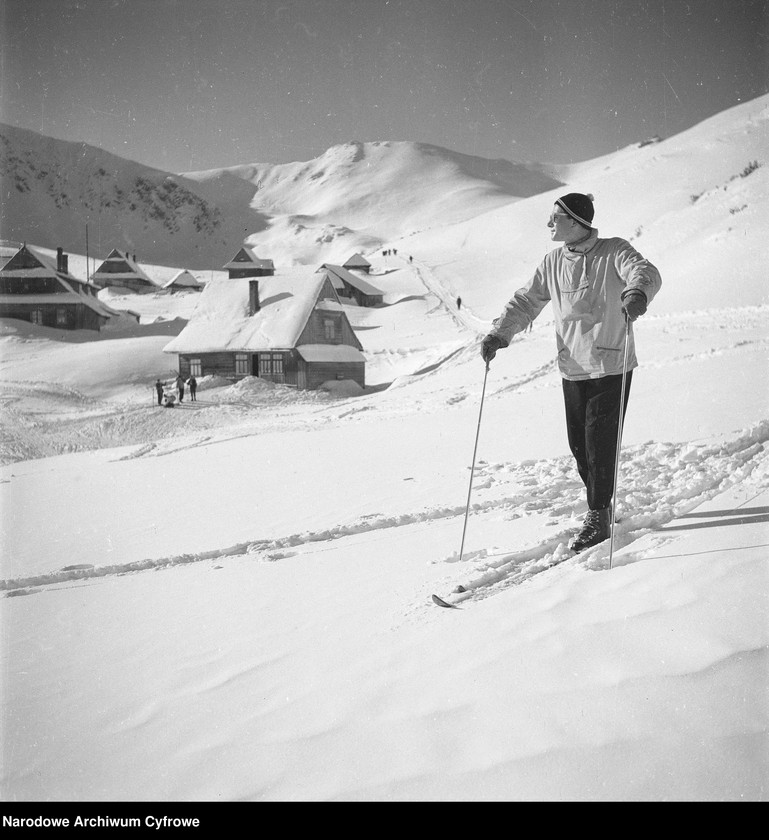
(230, 600)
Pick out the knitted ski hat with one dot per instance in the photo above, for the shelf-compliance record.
(579, 207)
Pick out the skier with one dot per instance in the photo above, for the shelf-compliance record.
(159, 390)
(459, 303)
(180, 387)
(596, 287)
(193, 383)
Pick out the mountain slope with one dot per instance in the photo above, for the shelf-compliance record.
(357, 196)
(695, 204)
(52, 189)
(353, 197)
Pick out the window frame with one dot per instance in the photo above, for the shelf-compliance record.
(242, 364)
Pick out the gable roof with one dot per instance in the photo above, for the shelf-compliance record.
(357, 260)
(247, 257)
(184, 279)
(338, 273)
(120, 266)
(7, 250)
(221, 320)
(29, 262)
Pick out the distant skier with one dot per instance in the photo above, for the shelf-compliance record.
(459, 303)
(180, 387)
(159, 389)
(596, 287)
(193, 383)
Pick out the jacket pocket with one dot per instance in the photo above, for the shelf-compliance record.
(572, 279)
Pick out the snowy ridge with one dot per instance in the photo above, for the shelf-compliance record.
(60, 187)
(354, 197)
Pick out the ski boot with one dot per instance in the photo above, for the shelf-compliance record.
(595, 529)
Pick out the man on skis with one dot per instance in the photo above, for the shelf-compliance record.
(596, 287)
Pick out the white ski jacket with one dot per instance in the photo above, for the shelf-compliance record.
(585, 283)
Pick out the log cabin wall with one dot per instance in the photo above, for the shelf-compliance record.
(58, 316)
(315, 331)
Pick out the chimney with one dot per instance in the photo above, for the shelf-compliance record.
(62, 261)
(253, 297)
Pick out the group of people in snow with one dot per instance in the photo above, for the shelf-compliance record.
(597, 287)
(170, 394)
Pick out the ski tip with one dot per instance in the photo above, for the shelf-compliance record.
(441, 603)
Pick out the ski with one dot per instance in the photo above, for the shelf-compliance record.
(441, 603)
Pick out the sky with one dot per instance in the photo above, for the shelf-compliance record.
(186, 85)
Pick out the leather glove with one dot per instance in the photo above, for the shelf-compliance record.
(633, 304)
(489, 347)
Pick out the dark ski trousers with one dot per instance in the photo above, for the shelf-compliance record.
(592, 415)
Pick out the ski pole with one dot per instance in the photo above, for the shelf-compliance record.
(620, 422)
(472, 468)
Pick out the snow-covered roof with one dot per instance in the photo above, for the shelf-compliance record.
(184, 278)
(19, 267)
(123, 267)
(6, 252)
(330, 353)
(357, 260)
(221, 320)
(338, 273)
(247, 256)
(71, 297)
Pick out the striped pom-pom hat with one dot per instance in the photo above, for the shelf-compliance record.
(579, 207)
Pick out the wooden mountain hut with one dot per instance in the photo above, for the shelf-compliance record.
(184, 281)
(35, 288)
(120, 270)
(349, 285)
(246, 264)
(287, 328)
(357, 262)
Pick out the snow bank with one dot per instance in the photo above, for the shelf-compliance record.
(342, 388)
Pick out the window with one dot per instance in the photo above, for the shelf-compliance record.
(36, 316)
(270, 364)
(329, 328)
(241, 364)
(61, 316)
(196, 367)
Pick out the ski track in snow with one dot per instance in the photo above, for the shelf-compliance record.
(660, 482)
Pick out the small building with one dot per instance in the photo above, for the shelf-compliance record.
(246, 264)
(358, 262)
(34, 288)
(120, 270)
(287, 328)
(349, 285)
(184, 281)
